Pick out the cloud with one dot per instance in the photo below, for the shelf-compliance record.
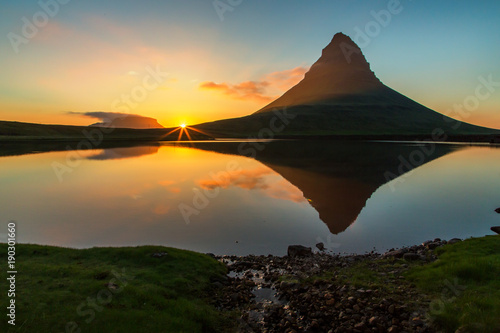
(248, 90)
(260, 91)
(120, 120)
(247, 179)
(286, 79)
(255, 179)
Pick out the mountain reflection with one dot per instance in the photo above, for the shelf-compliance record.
(254, 179)
(120, 153)
(337, 178)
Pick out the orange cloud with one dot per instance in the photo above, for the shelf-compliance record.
(255, 180)
(248, 90)
(286, 79)
(259, 90)
(247, 179)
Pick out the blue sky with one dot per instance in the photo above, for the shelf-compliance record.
(90, 53)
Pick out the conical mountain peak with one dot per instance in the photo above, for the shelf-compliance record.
(340, 95)
(343, 51)
(340, 71)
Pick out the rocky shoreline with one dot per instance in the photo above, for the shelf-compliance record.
(325, 292)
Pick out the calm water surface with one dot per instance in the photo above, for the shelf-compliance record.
(242, 198)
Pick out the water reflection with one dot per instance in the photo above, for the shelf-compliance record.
(120, 153)
(337, 178)
(292, 192)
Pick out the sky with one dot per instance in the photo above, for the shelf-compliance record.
(193, 61)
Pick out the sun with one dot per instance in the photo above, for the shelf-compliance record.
(183, 125)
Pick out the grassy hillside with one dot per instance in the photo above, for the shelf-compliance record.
(112, 290)
(465, 285)
(18, 131)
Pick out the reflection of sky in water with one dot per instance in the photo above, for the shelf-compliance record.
(113, 201)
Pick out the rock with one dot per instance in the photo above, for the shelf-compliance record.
(373, 321)
(411, 256)
(360, 326)
(496, 229)
(159, 254)
(218, 285)
(497, 210)
(320, 246)
(396, 253)
(393, 329)
(391, 309)
(433, 245)
(454, 240)
(299, 251)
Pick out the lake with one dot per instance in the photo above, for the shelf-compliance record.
(230, 197)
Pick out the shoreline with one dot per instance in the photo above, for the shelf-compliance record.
(411, 289)
(284, 294)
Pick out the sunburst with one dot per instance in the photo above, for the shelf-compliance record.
(183, 128)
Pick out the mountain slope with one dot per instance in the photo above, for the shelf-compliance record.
(340, 95)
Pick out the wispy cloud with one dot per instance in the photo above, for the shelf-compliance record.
(256, 179)
(248, 90)
(260, 91)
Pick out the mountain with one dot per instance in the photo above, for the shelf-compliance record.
(340, 95)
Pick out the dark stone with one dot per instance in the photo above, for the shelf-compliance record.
(454, 240)
(497, 210)
(433, 245)
(496, 229)
(218, 285)
(320, 246)
(101, 276)
(299, 251)
(411, 256)
(396, 253)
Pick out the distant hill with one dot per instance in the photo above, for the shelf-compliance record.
(13, 131)
(340, 95)
(117, 120)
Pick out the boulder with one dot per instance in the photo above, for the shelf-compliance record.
(433, 245)
(411, 256)
(320, 246)
(299, 251)
(454, 240)
(496, 229)
(497, 210)
(396, 253)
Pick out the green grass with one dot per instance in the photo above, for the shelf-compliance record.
(465, 285)
(68, 290)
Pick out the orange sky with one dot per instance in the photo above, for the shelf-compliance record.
(179, 63)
